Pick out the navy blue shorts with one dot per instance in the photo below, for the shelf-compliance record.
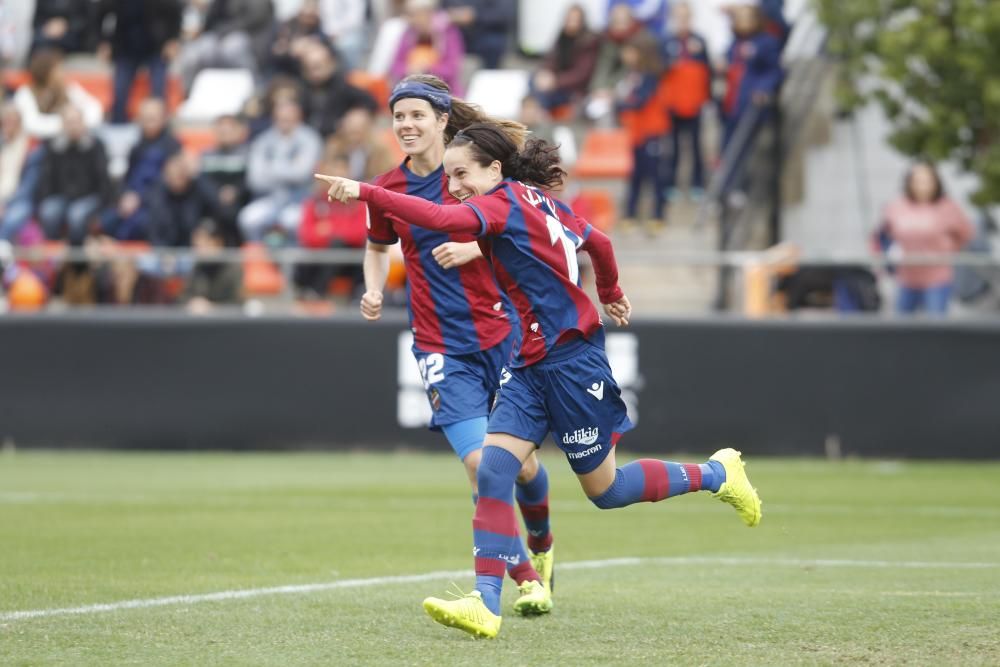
(570, 394)
(461, 386)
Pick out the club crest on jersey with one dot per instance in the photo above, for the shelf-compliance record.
(435, 398)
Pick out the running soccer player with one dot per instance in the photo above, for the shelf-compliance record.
(558, 380)
(462, 322)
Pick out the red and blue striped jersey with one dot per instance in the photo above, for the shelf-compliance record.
(532, 241)
(453, 311)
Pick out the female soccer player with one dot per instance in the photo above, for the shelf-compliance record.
(461, 320)
(558, 379)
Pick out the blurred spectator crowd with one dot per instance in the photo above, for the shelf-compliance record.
(199, 123)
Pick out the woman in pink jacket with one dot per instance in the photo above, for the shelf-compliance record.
(430, 45)
(924, 221)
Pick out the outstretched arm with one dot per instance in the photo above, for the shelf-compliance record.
(602, 254)
(413, 210)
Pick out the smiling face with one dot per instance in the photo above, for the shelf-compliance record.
(417, 128)
(466, 177)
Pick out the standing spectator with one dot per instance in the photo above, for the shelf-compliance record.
(62, 25)
(74, 183)
(178, 203)
(292, 37)
(753, 74)
(279, 173)
(236, 33)
(212, 282)
(344, 22)
(327, 94)
(327, 224)
(225, 169)
(608, 71)
(145, 34)
(567, 69)
(367, 157)
(41, 100)
(18, 173)
(485, 26)
(431, 44)
(924, 221)
(129, 220)
(642, 111)
(689, 80)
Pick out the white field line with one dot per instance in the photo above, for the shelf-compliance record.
(222, 596)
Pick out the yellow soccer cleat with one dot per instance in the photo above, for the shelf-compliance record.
(737, 490)
(545, 565)
(468, 613)
(535, 599)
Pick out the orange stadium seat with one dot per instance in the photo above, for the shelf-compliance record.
(602, 207)
(376, 85)
(196, 140)
(260, 276)
(605, 154)
(100, 84)
(389, 139)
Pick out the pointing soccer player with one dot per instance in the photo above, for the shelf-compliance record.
(558, 380)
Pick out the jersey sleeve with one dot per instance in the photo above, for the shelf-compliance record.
(492, 211)
(378, 223)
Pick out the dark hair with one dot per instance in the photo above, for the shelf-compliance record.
(908, 181)
(536, 164)
(464, 114)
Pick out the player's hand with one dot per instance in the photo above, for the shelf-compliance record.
(371, 305)
(451, 254)
(343, 190)
(619, 311)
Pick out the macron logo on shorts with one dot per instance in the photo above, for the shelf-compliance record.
(597, 390)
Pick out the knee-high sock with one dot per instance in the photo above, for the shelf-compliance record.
(522, 570)
(650, 480)
(494, 526)
(533, 499)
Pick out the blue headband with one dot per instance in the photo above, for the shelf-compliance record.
(437, 98)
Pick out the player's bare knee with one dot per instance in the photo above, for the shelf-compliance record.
(529, 469)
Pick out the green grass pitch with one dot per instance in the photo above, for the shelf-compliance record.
(854, 563)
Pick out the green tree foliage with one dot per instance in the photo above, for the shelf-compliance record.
(934, 65)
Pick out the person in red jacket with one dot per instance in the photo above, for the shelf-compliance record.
(689, 79)
(328, 225)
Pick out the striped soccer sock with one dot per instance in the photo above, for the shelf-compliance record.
(494, 526)
(522, 570)
(650, 480)
(533, 499)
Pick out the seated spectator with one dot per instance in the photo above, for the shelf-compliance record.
(73, 185)
(62, 25)
(327, 95)
(345, 23)
(236, 33)
(326, 225)
(753, 73)
(565, 73)
(212, 282)
(292, 37)
(689, 80)
(129, 220)
(431, 44)
(642, 111)
(225, 169)
(14, 147)
(179, 203)
(145, 34)
(608, 70)
(652, 14)
(924, 220)
(485, 26)
(41, 100)
(366, 155)
(280, 175)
